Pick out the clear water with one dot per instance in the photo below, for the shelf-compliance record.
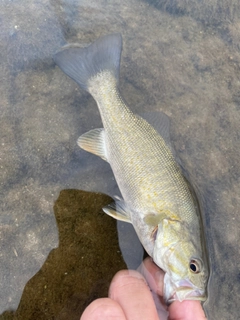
(178, 57)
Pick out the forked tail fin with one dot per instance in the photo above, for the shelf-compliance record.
(82, 64)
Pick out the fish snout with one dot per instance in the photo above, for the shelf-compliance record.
(182, 289)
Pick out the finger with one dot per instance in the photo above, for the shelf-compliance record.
(104, 308)
(131, 291)
(153, 274)
(186, 310)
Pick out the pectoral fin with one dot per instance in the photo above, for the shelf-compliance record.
(94, 141)
(153, 219)
(117, 210)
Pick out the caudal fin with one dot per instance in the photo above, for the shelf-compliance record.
(82, 64)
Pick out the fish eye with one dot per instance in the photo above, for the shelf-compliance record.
(195, 266)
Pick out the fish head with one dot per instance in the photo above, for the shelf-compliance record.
(179, 253)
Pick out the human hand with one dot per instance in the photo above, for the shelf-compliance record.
(130, 299)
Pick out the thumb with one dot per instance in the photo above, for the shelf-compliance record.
(186, 310)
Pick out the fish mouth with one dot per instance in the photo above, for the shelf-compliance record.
(181, 290)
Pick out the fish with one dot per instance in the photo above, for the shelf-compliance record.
(156, 197)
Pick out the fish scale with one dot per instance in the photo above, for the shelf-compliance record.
(146, 173)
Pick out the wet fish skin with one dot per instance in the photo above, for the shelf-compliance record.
(156, 197)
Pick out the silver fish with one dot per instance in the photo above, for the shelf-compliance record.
(157, 199)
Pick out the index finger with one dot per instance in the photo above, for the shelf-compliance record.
(131, 291)
(153, 275)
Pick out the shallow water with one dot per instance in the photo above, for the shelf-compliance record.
(182, 60)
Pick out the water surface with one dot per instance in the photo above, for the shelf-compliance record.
(181, 59)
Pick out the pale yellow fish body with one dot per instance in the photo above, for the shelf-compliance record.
(147, 174)
(156, 197)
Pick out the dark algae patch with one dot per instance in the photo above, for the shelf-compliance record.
(81, 268)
